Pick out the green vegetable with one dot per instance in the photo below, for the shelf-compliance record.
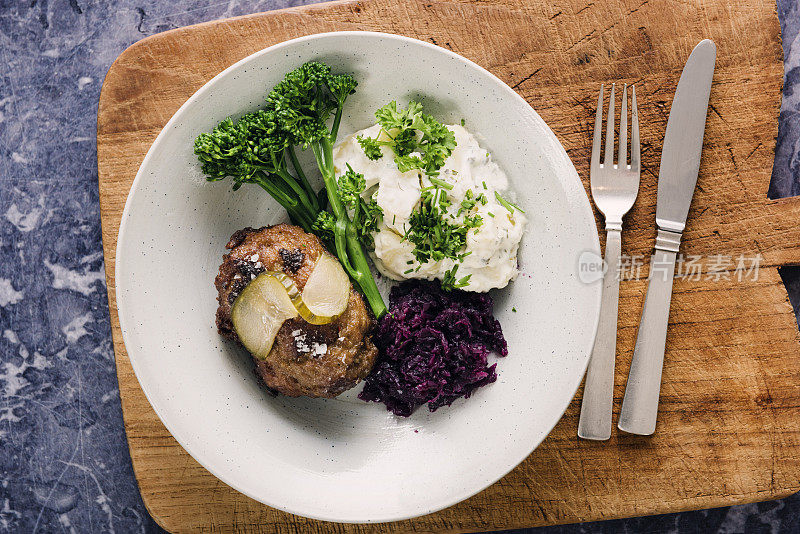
(366, 215)
(449, 281)
(510, 206)
(252, 150)
(371, 147)
(470, 200)
(324, 226)
(351, 185)
(257, 148)
(412, 131)
(441, 183)
(407, 162)
(433, 236)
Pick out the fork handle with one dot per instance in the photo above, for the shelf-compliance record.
(640, 404)
(598, 391)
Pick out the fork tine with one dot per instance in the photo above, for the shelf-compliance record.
(635, 154)
(598, 128)
(608, 154)
(622, 159)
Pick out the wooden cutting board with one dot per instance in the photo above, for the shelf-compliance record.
(729, 420)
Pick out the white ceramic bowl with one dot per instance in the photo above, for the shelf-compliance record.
(343, 459)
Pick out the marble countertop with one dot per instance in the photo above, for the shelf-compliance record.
(64, 462)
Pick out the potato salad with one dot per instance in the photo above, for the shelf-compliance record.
(452, 221)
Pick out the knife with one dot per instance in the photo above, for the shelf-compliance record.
(677, 177)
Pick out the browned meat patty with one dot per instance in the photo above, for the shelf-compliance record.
(294, 366)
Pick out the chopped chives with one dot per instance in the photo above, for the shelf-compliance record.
(510, 206)
(441, 183)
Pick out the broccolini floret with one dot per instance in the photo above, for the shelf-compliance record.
(366, 214)
(259, 147)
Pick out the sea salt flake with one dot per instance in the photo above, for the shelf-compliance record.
(300, 343)
(254, 258)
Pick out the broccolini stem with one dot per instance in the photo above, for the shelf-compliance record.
(323, 151)
(301, 194)
(297, 212)
(340, 228)
(278, 193)
(354, 259)
(303, 180)
(336, 120)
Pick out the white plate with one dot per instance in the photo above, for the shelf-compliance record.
(343, 459)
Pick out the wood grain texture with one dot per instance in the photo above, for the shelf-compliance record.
(728, 426)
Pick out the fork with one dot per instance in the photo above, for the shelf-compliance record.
(614, 189)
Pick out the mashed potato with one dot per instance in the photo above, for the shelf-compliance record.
(491, 247)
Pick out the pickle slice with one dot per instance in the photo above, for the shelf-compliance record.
(325, 295)
(297, 300)
(272, 298)
(259, 312)
(327, 290)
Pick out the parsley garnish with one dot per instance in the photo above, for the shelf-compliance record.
(371, 147)
(408, 162)
(412, 131)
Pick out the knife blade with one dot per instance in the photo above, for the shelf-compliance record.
(683, 140)
(680, 163)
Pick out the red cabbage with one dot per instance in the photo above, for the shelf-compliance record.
(433, 347)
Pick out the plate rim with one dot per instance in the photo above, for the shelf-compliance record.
(392, 517)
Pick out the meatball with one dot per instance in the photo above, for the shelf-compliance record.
(305, 360)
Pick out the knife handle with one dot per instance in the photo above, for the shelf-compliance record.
(640, 404)
(598, 391)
